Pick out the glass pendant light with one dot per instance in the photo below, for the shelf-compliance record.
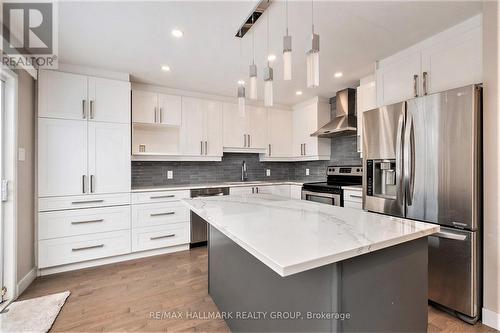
(268, 75)
(241, 92)
(253, 71)
(287, 50)
(313, 56)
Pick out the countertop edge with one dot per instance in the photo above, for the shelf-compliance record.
(189, 187)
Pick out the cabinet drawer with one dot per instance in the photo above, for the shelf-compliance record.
(354, 196)
(351, 204)
(83, 201)
(160, 236)
(82, 221)
(163, 213)
(67, 250)
(159, 196)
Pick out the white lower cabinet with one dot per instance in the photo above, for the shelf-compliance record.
(68, 250)
(353, 198)
(242, 190)
(284, 190)
(280, 190)
(148, 238)
(147, 215)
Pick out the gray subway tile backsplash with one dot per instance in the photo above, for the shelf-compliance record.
(149, 173)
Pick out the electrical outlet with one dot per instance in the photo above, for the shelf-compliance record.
(307, 172)
(268, 172)
(170, 174)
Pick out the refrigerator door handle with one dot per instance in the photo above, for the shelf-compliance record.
(409, 157)
(399, 156)
(449, 235)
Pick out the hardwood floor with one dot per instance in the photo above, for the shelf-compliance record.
(123, 296)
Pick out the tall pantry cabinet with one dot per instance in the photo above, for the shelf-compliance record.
(83, 162)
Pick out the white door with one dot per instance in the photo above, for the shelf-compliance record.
(280, 133)
(395, 80)
(109, 157)
(62, 95)
(109, 100)
(193, 127)
(234, 126)
(257, 127)
(213, 121)
(62, 157)
(454, 63)
(298, 119)
(144, 107)
(169, 109)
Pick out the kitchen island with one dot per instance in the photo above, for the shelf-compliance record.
(277, 264)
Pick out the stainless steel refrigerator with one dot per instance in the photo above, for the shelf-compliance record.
(422, 160)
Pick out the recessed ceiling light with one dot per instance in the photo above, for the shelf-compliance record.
(177, 33)
(241, 82)
(338, 74)
(165, 68)
(271, 57)
(298, 92)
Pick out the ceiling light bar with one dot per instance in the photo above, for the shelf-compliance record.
(252, 18)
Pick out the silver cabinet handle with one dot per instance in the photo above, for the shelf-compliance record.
(83, 183)
(86, 202)
(89, 221)
(201, 147)
(399, 156)
(163, 196)
(92, 181)
(253, 190)
(409, 151)
(84, 114)
(249, 144)
(87, 247)
(449, 235)
(257, 189)
(161, 115)
(156, 115)
(424, 75)
(206, 147)
(355, 196)
(245, 139)
(269, 153)
(415, 85)
(160, 237)
(161, 214)
(305, 149)
(92, 109)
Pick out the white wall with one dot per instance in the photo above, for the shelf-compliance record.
(491, 146)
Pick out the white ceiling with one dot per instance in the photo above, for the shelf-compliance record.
(134, 37)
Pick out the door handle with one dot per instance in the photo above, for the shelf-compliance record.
(160, 237)
(86, 202)
(449, 235)
(83, 183)
(92, 109)
(163, 196)
(409, 153)
(92, 181)
(161, 214)
(87, 247)
(89, 221)
(206, 147)
(156, 115)
(201, 147)
(84, 114)
(249, 144)
(245, 139)
(269, 150)
(355, 196)
(424, 75)
(399, 155)
(161, 115)
(305, 150)
(415, 85)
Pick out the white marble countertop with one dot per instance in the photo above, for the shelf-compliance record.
(224, 184)
(292, 236)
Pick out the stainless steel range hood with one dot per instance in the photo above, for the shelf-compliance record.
(345, 122)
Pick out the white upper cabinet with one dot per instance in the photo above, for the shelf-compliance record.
(62, 95)
(279, 133)
(201, 127)
(62, 157)
(450, 59)
(308, 117)
(109, 157)
(109, 100)
(144, 107)
(80, 97)
(366, 99)
(245, 132)
(169, 109)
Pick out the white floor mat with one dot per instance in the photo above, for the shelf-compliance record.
(32, 315)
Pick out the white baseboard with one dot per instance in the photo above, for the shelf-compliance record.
(26, 281)
(491, 319)
(111, 260)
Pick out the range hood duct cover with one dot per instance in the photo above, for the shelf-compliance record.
(345, 122)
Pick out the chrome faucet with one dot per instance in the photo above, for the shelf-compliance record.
(244, 175)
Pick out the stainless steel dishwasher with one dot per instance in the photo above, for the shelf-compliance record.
(198, 225)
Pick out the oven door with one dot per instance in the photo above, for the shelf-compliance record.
(326, 198)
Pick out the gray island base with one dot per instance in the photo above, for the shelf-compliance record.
(380, 291)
